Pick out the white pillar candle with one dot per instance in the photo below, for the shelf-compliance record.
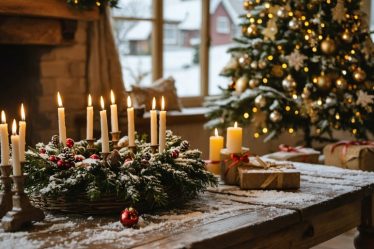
(234, 139)
(90, 115)
(153, 113)
(104, 128)
(162, 127)
(215, 146)
(22, 135)
(130, 122)
(113, 113)
(61, 120)
(4, 140)
(15, 150)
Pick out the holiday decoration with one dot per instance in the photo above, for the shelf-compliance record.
(295, 154)
(62, 175)
(307, 66)
(129, 217)
(89, 4)
(230, 162)
(350, 154)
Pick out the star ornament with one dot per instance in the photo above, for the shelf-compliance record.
(271, 30)
(339, 11)
(296, 59)
(364, 99)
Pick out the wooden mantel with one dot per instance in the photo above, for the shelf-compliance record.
(41, 22)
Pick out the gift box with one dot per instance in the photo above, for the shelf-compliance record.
(295, 154)
(268, 175)
(230, 162)
(350, 155)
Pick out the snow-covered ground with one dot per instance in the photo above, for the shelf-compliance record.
(178, 63)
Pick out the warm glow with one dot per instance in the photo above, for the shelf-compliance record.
(14, 127)
(216, 132)
(3, 118)
(23, 115)
(59, 100)
(162, 103)
(236, 124)
(129, 104)
(153, 103)
(89, 100)
(102, 102)
(112, 98)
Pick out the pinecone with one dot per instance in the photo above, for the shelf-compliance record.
(55, 140)
(146, 156)
(184, 145)
(67, 155)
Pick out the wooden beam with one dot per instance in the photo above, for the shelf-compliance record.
(204, 48)
(157, 40)
(46, 8)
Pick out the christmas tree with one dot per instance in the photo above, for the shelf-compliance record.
(299, 65)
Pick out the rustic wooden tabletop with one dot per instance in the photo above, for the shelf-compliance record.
(330, 201)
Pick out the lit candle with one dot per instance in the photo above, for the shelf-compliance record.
(130, 122)
(61, 120)
(4, 140)
(234, 139)
(153, 113)
(215, 146)
(15, 150)
(113, 113)
(162, 135)
(90, 114)
(22, 135)
(104, 128)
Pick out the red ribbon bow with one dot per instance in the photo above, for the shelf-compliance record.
(236, 159)
(288, 148)
(347, 144)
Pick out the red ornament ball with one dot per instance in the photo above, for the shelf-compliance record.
(95, 156)
(53, 158)
(60, 164)
(129, 217)
(69, 142)
(42, 151)
(79, 158)
(174, 153)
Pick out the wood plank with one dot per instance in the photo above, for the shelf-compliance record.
(46, 8)
(29, 30)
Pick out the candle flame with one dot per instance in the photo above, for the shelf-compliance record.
(236, 124)
(102, 102)
(162, 103)
(153, 103)
(216, 132)
(3, 118)
(23, 115)
(129, 102)
(14, 127)
(112, 98)
(89, 100)
(59, 100)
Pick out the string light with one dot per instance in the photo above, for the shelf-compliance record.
(270, 57)
(290, 130)
(284, 65)
(246, 115)
(354, 131)
(256, 135)
(296, 112)
(254, 109)
(265, 80)
(353, 120)
(288, 108)
(265, 130)
(314, 49)
(337, 116)
(306, 69)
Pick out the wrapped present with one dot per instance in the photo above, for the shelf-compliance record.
(295, 154)
(350, 155)
(260, 174)
(230, 162)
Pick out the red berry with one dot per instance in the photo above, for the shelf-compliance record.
(129, 217)
(53, 158)
(79, 158)
(60, 163)
(42, 151)
(69, 142)
(95, 156)
(174, 153)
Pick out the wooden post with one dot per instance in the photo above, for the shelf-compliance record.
(204, 48)
(157, 40)
(365, 236)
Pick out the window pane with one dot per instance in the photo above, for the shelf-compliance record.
(224, 26)
(182, 20)
(133, 8)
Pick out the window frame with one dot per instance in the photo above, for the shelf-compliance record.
(222, 29)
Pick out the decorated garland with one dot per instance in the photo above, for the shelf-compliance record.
(144, 179)
(89, 4)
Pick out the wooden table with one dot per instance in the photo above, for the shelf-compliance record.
(329, 202)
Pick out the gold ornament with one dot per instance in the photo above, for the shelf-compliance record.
(252, 30)
(341, 83)
(294, 24)
(289, 84)
(328, 46)
(275, 116)
(277, 71)
(262, 64)
(347, 36)
(359, 75)
(260, 101)
(241, 84)
(248, 5)
(282, 13)
(253, 83)
(254, 64)
(324, 82)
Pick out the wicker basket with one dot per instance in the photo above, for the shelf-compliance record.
(80, 204)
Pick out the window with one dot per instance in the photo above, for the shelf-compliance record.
(171, 34)
(223, 25)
